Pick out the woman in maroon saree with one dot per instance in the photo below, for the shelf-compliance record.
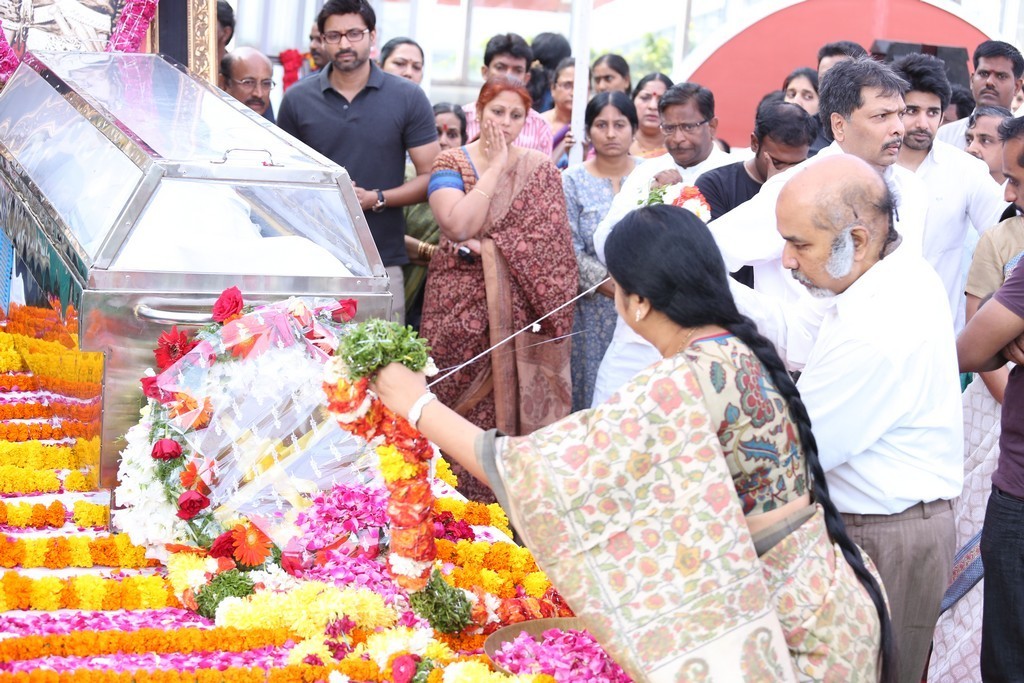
(505, 260)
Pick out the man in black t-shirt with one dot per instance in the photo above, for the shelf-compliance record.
(782, 135)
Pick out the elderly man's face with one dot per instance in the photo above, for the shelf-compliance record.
(874, 132)
(819, 259)
(250, 83)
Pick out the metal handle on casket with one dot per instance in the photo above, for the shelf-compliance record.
(173, 317)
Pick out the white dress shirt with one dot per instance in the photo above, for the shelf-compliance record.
(628, 353)
(954, 133)
(960, 193)
(881, 386)
(749, 235)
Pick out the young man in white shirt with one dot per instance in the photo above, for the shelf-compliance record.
(961, 192)
(880, 384)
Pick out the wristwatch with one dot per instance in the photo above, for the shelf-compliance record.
(381, 202)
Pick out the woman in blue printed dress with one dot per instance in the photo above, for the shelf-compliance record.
(610, 121)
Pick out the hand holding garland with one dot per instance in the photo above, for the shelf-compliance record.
(399, 388)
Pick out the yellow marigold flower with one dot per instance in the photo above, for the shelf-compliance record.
(35, 552)
(45, 593)
(393, 466)
(493, 582)
(88, 514)
(451, 505)
(76, 481)
(79, 551)
(152, 591)
(536, 584)
(439, 652)
(19, 514)
(499, 519)
(443, 471)
(471, 552)
(90, 591)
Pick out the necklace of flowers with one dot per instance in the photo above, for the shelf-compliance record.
(404, 453)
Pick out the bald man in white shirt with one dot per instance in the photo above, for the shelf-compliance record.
(880, 383)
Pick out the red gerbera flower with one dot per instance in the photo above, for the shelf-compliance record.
(171, 346)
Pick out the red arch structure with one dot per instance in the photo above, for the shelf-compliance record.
(755, 61)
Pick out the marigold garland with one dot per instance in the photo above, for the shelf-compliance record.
(83, 412)
(39, 456)
(96, 643)
(297, 673)
(19, 592)
(46, 431)
(33, 515)
(72, 551)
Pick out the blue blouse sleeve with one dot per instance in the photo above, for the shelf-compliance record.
(444, 178)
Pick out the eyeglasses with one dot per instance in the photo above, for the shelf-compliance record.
(354, 35)
(565, 85)
(670, 129)
(250, 83)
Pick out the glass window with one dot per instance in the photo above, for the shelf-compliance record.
(224, 227)
(82, 174)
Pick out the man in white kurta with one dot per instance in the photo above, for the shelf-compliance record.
(961, 192)
(880, 384)
(688, 117)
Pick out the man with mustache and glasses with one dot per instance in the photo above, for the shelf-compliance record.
(687, 112)
(245, 75)
(961, 192)
(998, 76)
(367, 121)
(880, 383)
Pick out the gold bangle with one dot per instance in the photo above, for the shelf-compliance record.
(431, 250)
(477, 189)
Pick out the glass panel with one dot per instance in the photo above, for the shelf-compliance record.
(84, 175)
(169, 110)
(217, 227)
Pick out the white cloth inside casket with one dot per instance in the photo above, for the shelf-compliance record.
(206, 228)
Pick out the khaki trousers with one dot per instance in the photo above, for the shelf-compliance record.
(913, 551)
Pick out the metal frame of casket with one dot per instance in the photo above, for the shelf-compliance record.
(138, 193)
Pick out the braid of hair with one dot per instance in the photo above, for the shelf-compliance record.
(745, 330)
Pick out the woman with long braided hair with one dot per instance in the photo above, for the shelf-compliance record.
(686, 520)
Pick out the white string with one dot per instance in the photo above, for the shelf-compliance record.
(516, 334)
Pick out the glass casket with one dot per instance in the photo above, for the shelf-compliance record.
(137, 193)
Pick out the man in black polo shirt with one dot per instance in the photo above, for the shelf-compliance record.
(782, 135)
(366, 120)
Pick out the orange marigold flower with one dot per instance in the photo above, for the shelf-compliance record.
(56, 514)
(252, 547)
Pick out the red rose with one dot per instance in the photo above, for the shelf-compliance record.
(404, 668)
(223, 545)
(346, 311)
(166, 449)
(171, 346)
(191, 503)
(151, 390)
(228, 304)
